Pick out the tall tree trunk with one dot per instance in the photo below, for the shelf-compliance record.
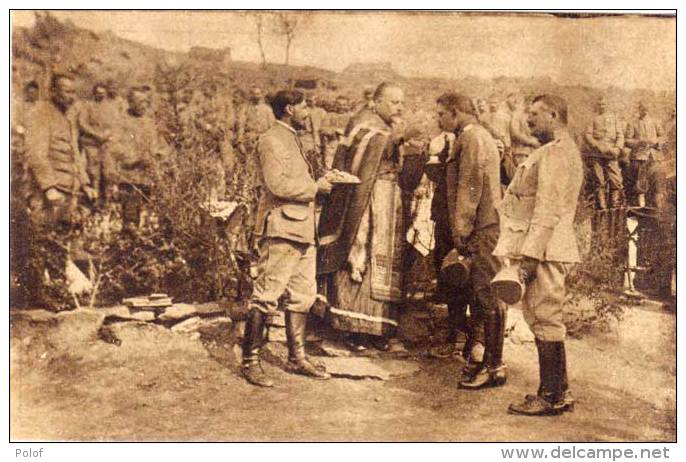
(259, 42)
(288, 50)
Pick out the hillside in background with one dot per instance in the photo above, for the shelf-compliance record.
(53, 45)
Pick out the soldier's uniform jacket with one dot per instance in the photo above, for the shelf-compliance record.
(473, 182)
(606, 129)
(52, 154)
(498, 124)
(537, 211)
(255, 119)
(520, 134)
(94, 120)
(286, 207)
(649, 131)
(136, 145)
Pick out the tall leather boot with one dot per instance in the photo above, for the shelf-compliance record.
(548, 399)
(253, 338)
(566, 398)
(475, 347)
(492, 372)
(297, 360)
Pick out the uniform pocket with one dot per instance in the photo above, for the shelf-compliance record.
(295, 212)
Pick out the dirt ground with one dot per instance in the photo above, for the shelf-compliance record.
(163, 386)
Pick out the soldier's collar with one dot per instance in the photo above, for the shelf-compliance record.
(559, 135)
(291, 129)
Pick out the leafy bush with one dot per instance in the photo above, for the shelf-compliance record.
(179, 248)
(594, 301)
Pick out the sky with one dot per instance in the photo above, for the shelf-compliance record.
(630, 52)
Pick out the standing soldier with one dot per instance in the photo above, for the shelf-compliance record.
(19, 117)
(522, 141)
(497, 122)
(21, 107)
(54, 162)
(136, 146)
(644, 137)
(472, 178)
(604, 142)
(316, 121)
(215, 119)
(537, 233)
(254, 118)
(94, 119)
(285, 224)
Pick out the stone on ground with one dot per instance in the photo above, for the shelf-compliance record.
(187, 326)
(122, 313)
(178, 312)
(363, 368)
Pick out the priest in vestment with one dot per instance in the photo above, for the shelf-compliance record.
(362, 227)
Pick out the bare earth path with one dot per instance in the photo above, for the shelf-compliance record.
(168, 387)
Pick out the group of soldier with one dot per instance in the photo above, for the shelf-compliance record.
(626, 158)
(353, 255)
(81, 154)
(506, 186)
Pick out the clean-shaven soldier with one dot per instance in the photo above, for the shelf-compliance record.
(536, 229)
(285, 225)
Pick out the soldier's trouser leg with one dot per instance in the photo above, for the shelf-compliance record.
(93, 166)
(131, 204)
(656, 182)
(639, 174)
(484, 268)
(457, 301)
(457, 320)
(543, 300)
(616, 182)
(542, 306)
(284, 265)
(598, 168)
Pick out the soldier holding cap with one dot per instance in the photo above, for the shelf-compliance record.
(472, 180)
(536, 231)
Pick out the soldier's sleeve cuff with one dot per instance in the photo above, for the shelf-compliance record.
(536, 241)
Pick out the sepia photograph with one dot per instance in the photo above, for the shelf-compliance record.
(342, 226)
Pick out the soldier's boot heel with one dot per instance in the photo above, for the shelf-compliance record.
(486, 377)
(298, 363)
(254, 374)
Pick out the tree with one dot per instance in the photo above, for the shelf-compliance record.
(286, 25)
(259, 24)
